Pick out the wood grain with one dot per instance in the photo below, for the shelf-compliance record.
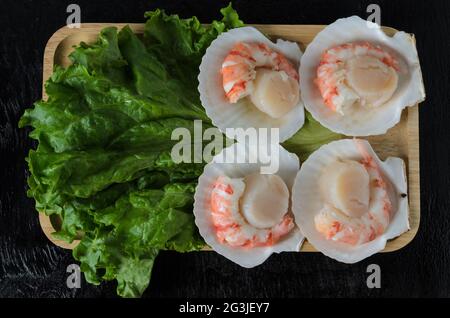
(400, 141)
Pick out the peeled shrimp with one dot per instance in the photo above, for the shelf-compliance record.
(239, 68)
(337, 226)
(331, 73)
(231, 227)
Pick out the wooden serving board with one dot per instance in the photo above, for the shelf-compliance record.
(400, 141)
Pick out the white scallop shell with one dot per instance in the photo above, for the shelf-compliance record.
(243, 114)
(245, 257)
(376, 121)
(307, 201)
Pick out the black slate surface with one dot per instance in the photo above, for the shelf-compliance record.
(30, 266)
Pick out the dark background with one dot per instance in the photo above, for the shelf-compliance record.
(30, 266)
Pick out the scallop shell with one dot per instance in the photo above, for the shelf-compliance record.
(376, 121)
(245, 257)
(243, 114)
(307, 201)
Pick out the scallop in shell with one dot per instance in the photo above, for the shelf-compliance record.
(347, 202)
(246, 81)
(245, 215)
(356, 80)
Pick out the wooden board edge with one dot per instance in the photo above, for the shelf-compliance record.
(49, 229)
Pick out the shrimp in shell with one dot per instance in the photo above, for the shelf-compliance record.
(360, 73)
(232, 227)
(266, 76)
(347, 227)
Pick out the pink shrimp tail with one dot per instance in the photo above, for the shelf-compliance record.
(239, 67)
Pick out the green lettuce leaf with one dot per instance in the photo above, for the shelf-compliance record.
(103, 162)
(132, 231)
(310, 138)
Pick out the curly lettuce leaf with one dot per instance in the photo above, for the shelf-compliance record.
(103, 162)
(133, 230)
(104, 58)
(181, 43)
